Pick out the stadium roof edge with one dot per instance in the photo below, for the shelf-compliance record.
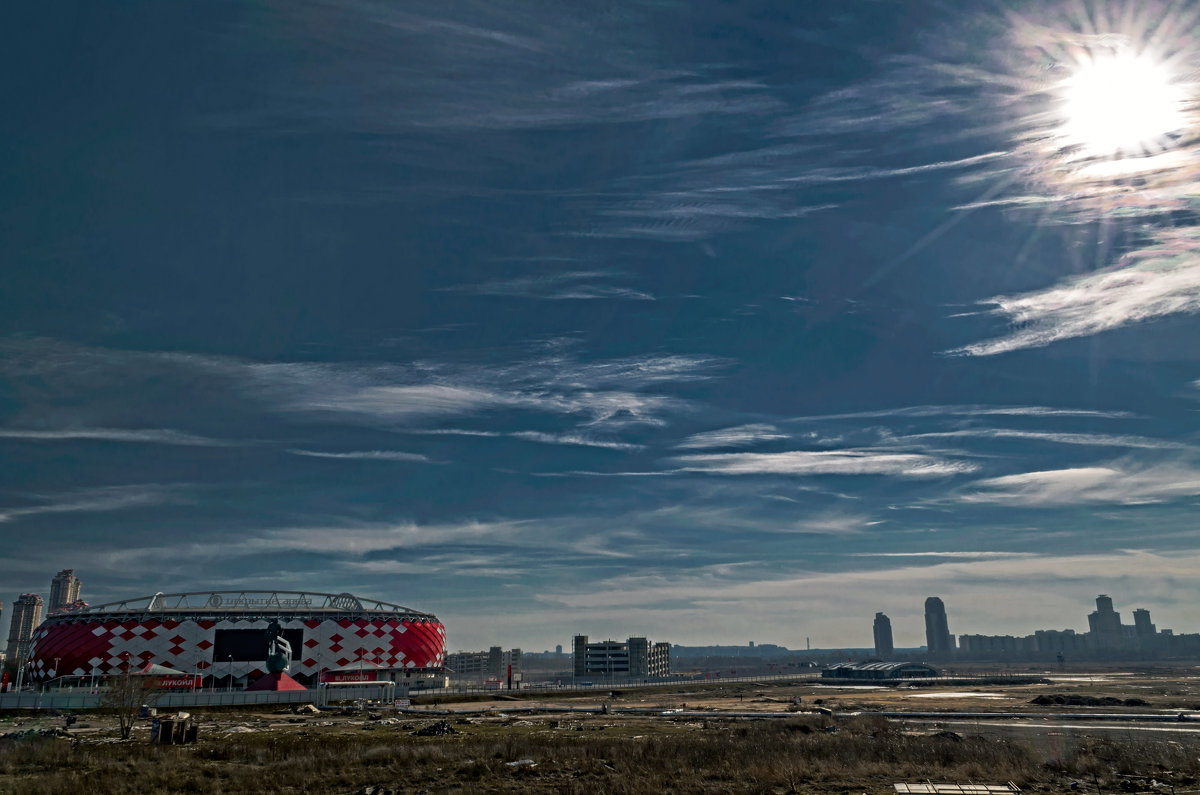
(244, 601)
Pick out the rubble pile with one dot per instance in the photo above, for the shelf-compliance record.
(436, 730)
(1056, 699)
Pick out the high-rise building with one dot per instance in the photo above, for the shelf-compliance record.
(64, 590)
(580, 645)
(883, 637)
(495, 660)
(937, 629)
(1104, 625)
(1141, 624)
(26, 615)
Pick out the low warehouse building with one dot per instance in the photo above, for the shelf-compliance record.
(879, 670)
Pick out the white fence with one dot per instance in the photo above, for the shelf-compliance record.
(592, 683)
(57, 699)
(86, 699)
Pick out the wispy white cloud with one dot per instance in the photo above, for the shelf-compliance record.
(413, 401)
(534, 436)
(569, 285)
(573, 439)
(111, 498)
(628, 372)
(720, 517)
(609, 393)
(963, 555)
(367, 455)
(715, 582)
(1158, 281)
(1122, 485)
(605, 393)
(825, 524)
(460, 565)
(592, 292)
(453, 432)
(434, 26)
(859, 173)
(839, 462)
(364, 547)
(353, 541)
(483, 68)
(595, 474)
(1084, 439)
(699, 198)
(737, 436)
(132, 435)
(697, 215)
(968, 411)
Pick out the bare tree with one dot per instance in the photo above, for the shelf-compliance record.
(125, 692)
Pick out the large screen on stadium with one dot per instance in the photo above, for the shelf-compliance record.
(250, 645)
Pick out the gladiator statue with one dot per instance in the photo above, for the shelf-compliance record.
(279, 651)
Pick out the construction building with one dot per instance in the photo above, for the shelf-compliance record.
(635, 658)
(64, 591)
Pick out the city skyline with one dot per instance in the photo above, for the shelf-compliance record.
(1104, 632)
(700, 321)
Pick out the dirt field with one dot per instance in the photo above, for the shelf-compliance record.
(690, 738)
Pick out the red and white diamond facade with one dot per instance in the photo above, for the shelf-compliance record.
(222, 634)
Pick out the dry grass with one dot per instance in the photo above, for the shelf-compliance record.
(601, 754)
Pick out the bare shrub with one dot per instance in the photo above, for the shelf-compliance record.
(124, 694)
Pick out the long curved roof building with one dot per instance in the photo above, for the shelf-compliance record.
(221, 634)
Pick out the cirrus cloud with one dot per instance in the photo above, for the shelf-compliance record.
(833, 462)
(1099, 484)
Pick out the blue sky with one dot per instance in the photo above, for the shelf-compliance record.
(711, 322)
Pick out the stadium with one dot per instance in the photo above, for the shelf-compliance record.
(220, 635)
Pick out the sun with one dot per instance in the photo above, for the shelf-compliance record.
(1120, 104)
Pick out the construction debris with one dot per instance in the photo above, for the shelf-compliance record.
(1073, 700)
(436, 730)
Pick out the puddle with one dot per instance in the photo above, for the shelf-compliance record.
(1078, 678)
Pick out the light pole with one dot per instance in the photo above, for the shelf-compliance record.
(54, 673)
(230, 686)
